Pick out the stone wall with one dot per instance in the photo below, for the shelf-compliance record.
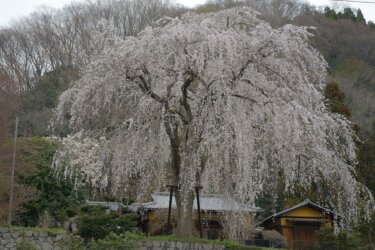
(173, 245)
(11, 237)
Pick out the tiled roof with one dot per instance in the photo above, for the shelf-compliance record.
(113, 206)
(208, 202)
(306, 202)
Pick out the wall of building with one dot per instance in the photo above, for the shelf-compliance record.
(305, 212)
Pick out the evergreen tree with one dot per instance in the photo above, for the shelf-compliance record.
(348, 14)
(330, 13)
(56, 198)
(367, 161)
(360, 18)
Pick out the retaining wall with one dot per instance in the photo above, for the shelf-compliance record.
(10, 237)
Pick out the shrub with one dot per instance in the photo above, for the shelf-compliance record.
(344, 239)
(74, 242)
(275, 238)
(97, 223)
(113, 242)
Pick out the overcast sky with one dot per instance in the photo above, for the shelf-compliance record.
(13, 9)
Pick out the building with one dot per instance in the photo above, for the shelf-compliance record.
(213, 208)
(299, 224)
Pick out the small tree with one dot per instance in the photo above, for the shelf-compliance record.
(56, 197)
(360, 18)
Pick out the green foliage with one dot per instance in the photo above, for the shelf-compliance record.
(95, 222)
(344, 239)
(230, 245)
(74, 242)
(57, 198)
(128, 241)
(112, 242)
(347, 13)
(366, 228)
(326, 234)
(330, 13)
(109, 198)
(360, 17)
(272, 202)
(367, 161)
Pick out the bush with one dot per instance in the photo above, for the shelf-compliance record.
(274, 238)
(74, 242)
(344, 239)
(97, 223)
(113, 242)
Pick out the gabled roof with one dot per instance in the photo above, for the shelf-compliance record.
(305, 203)
(208, 202)
(112, 206)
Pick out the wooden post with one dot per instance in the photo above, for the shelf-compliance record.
(169, 228)
(12, 180)
(199, 212)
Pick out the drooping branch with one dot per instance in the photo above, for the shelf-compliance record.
(244, 97)
(145, 84)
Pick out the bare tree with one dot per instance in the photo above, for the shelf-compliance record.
(50, 39)
(277, 12)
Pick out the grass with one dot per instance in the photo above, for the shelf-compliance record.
(230, 245)
(49, 230)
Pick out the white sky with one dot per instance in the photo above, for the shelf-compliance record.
(13, 9)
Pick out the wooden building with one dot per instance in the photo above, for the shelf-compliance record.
(213, 208)
(299, 224)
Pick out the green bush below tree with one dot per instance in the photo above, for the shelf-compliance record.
(95, 222)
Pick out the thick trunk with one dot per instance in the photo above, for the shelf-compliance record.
(177, 128)
(184, 214)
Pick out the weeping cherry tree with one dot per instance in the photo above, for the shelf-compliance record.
(220, 100)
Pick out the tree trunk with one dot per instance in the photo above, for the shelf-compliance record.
(184, 214)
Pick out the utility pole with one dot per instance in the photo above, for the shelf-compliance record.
(13, 170)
